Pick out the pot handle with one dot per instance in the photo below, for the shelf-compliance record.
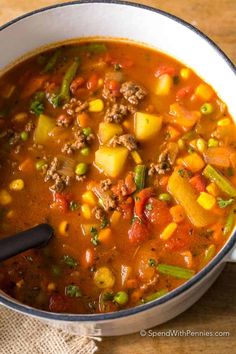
(231, 257)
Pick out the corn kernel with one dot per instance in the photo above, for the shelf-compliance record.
(204, 92)
(51, 287)
(17, 185)
(86, 211)
(193, 162)
(89, 198)
(181, 144)
(20, 283)
(207, 201)
(193, 143)
(137, 158)
(168, 231)
(96, 105)
(5, 197)
(201, 145)
(63, 228)
(213, 142)
(100, 82)
(223, 122)
(212, 189)
(185, 73)
(115, 217)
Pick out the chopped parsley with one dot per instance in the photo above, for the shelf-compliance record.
(136, 218)
(224, 203)
(152, 262)
(73, 205)
(149, 206)
(37, 106)
(70, 261)
(104, 222)
(72, 291)
(94, 236)
(181, 172)
(230, 171)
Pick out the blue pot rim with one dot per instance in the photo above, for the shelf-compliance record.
(11, 303)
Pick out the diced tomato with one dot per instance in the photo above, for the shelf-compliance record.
(76, 83)
(113, 86)
(181, 239)
(126, 208)
(140, 201)
(163, 69)
(198, 182)
(157, 212)
(124, 62)
(92, 82)
(125, 187)
(33, 85)
(184, 92)
(62, 202)
(57, 303)
(138, 232)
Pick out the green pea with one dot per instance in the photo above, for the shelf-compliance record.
(85, 151)
(40, 164)
(24, 136)
(121, 298)
(87, 131)
(81, 169)
(165, 197)
(207, 108)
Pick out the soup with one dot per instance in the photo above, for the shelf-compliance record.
(131, 158)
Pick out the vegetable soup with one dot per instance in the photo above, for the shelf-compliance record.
(130, 157)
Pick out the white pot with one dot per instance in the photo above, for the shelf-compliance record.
(167, 34)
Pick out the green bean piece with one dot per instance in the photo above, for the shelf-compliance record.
(221, 181)
(140, 176)
(52, 61)
(96, 48)
(230, 221)
(64, 94)
(177, 272)
(155, 295)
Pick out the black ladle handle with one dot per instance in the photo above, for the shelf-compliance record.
(25, 240)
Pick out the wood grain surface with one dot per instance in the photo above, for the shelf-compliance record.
(216, 310)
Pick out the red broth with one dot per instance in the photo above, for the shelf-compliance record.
(131, 158)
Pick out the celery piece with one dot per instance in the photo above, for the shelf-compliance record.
(139, 176)
(230, 221)
(208, 255)
(155, 295)
(177, 272)
(221, 181)
(52, 61)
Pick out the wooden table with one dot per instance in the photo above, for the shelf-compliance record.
(216, 311)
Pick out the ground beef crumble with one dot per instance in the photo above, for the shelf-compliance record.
(29, 126)
(75, 106)
(126, 140)
(116, 113)
(133, 92)
(165, 161)
(52, 174)
(80, 141)
(99, 213)
(106, 184)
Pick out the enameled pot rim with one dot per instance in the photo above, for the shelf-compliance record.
(11, 303)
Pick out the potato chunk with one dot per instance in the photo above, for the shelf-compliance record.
(106, 131)
(147, 125)
(44, 126)
(111, 160)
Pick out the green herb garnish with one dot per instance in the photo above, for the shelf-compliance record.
(70, 261)
(94, 236)
(73, 205)
(152, 262)
(37, 106)
(72, 291)
(224, 203)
